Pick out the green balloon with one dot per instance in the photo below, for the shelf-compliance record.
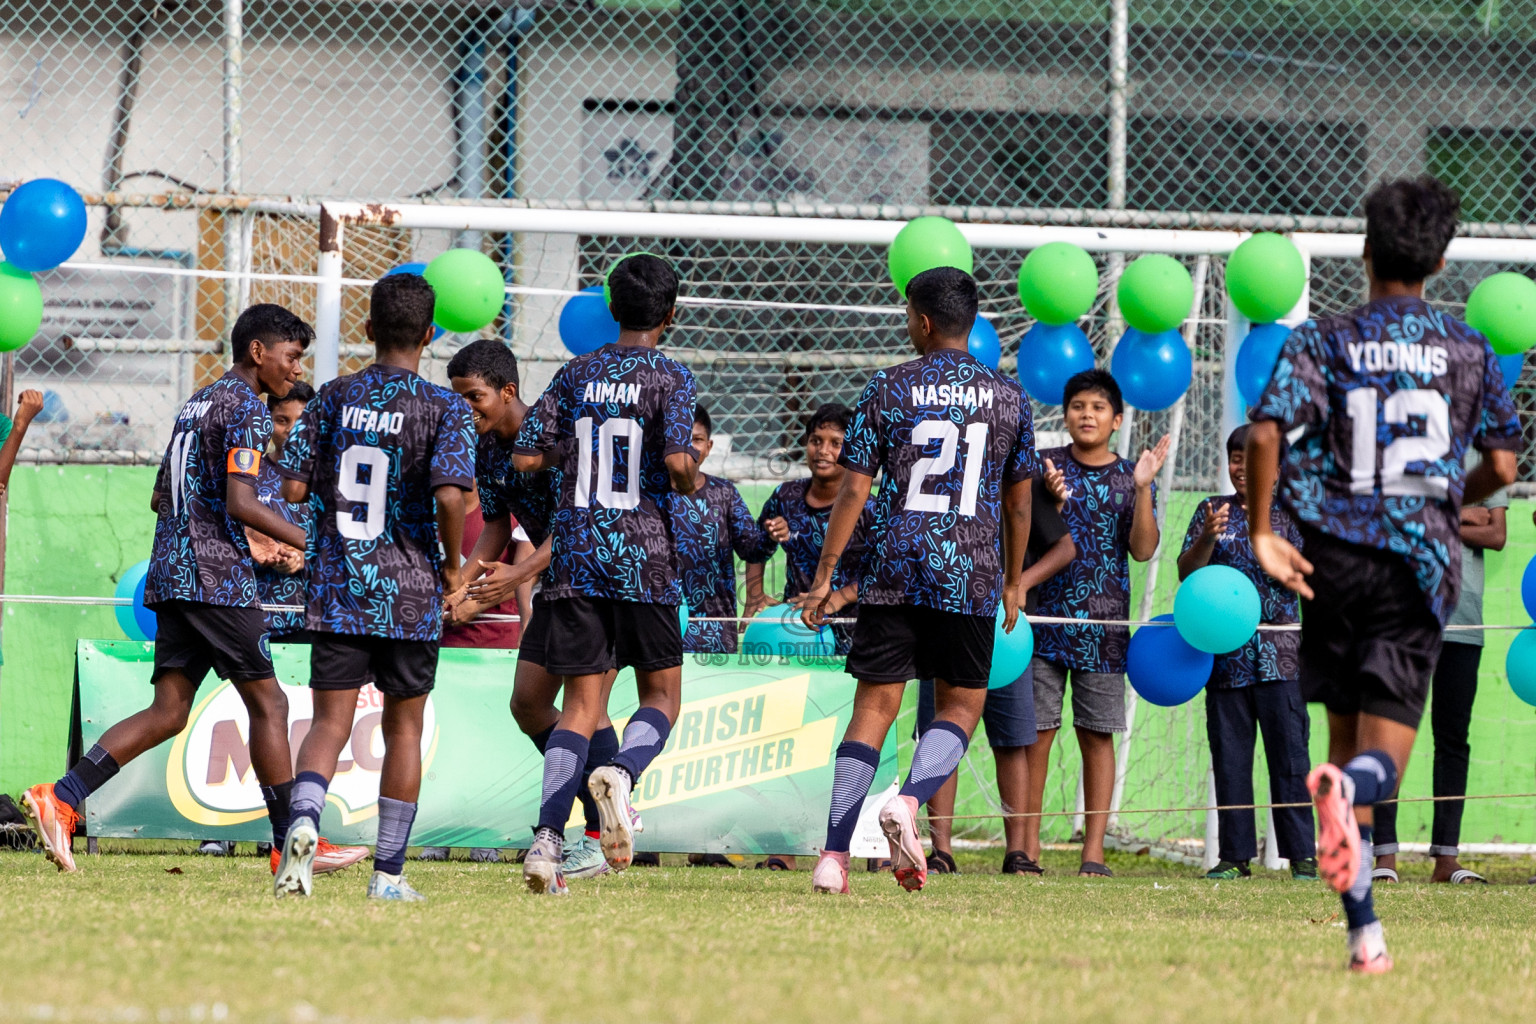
(923, 244)
(1155, 294)
(1265, 277)
(1058, 283)
(1503, 309)
(470, 289)
(21, 307)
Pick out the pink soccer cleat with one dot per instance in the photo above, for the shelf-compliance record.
(1338, 841)
(831, 873)
(898, 820)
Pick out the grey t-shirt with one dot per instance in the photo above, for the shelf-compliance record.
(1469, 608)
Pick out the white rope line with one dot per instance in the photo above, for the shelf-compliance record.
(1037, 620)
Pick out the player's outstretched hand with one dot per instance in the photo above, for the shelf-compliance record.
(813, 604)
(453, 578)
(755, 603)
(1056, 484)
(265, 551)
(1011, 598)
(499, 584)
(1280, 559)
(777, 529)
(1151, 461)
(28, 404)
(1216, 522)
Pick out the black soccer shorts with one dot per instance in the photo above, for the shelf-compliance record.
(590, 635)
(1369, 642)
(898, 643)
(399, 668)
(191, 637)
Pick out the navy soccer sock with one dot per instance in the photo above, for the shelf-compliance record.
(541, 738)
(852, 774)
(1358, 910)
(563, 758)
(644, 736)
(277, 799)
(1374, 775)
(88, 775)
(308, 799)
(605, 746)
(395, 820)
(938, 754)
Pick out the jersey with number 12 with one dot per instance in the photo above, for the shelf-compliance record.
(373, 446)
(950, 433)
(1382, 403)
(623, 409)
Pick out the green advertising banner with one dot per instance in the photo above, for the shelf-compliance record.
(747, 769)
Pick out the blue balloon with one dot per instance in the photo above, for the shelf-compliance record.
(1010, 651)
(42, 224)
(1256, 359)
(135, 620)
(586, 324)
(420, 270)
(1049, 355)
(1153, 370)
(1216, 609)
(1511, 365)
(984, 343)
(1528, 588)
(1163, 668)
(779, 631)
(1520, 666)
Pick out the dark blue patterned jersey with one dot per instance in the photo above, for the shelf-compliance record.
(802, 551)
(1269, 656)
(711, 528)
(950, 433)
(529, 498)
(200, 553)
(372, 447)
(1380, 405)
(273, 587)
(613, 416)
(1097, 583)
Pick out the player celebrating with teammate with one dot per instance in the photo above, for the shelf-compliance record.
(387, 457)
(202, 581)
(1381, 403)
(956, 443)
(618, 423)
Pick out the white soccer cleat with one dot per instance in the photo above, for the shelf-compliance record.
(584, 859)
(898, 820)
(296, 867)
(609, 787)
(393, 888)
(541, 868)
(1368, 950)
(830, 873)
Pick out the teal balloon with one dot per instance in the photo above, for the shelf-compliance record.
(1049, 356)
(779, 631)
(984, 343)
(135, 620)
(1163, 668)
(682, 616)
(1256, 359)
(1010, 651)
(1520, 666)
(1216, 609)
(1153, 370)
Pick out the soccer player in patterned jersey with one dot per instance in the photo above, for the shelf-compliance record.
(709, 527)
(795, 518)
(485, 373)
(1379, 405)
(386, 458)
(618, 422)
(202, 582)
(280, 568)
(956, 443)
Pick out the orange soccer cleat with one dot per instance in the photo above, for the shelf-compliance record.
(329, 857)
(55, 823)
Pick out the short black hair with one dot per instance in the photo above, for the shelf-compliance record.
(642, 290)
(298, 391)
(1098, 380)
(270, 324)
(1408, 224)
(490, 360)
(946, 296)
(832, 414)
(400, 309)
(1237, 440)
(701, 417)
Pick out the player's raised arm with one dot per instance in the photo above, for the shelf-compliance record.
(538, 440)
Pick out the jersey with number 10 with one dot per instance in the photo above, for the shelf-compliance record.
(950, 433)
(373, 447)
(625, 409)
(1385, 400)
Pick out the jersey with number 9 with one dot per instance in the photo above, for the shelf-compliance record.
(373, 446)
(614, 415)
(1382, 403)
(950, 434)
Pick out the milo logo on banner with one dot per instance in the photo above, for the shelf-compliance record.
(737, 739)
(209, 777)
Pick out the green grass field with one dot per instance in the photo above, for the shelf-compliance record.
(128, 939)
